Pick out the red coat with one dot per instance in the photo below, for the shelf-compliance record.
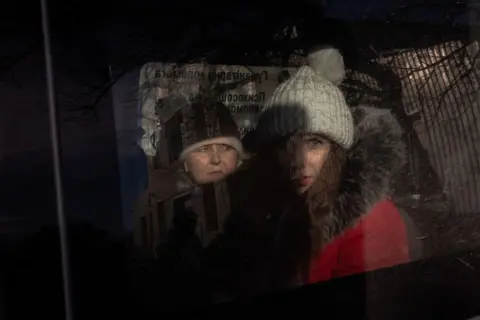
(379, 240)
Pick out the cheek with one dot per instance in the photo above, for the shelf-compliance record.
(316, 159)
(196, 164)
(230, 159)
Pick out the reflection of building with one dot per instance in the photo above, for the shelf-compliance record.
(153, 218)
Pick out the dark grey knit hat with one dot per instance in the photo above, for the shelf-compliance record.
(206, 123)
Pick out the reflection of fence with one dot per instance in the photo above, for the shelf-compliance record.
(437, 88)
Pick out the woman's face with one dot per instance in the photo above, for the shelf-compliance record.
(313, 152)
(212, 162)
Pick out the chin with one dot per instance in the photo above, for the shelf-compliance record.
(218, 179)
(212, 179)
(302, 190)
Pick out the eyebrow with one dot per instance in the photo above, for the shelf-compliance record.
(313, 136)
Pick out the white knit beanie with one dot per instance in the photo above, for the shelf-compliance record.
(310, 101)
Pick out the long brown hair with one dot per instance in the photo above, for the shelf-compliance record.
(322, 194)
(298, 235)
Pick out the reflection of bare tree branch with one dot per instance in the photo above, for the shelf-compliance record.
(357, 90)
(413, 70)
(450, 8)
(442, 100)
(90, 110)
(8, 63)
(190, 48)
(436, 75)
(389, 53)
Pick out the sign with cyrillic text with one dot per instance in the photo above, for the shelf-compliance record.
(245, 88)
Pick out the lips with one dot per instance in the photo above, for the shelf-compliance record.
(305, 180)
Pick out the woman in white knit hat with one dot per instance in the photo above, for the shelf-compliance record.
(318, 200)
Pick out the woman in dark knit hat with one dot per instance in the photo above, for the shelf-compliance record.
(211, 150)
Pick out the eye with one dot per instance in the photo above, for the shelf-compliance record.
(225, 147)
(202, 149)
(314, 142)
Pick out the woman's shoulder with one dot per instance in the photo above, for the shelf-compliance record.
(388, 220)
(383, 213)
(383, 219)
(382, 226)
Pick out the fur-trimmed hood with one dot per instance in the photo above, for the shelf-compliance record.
(378, 154)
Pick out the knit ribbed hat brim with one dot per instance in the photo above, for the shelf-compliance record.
(233, 142)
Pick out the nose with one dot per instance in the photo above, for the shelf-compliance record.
(298, 158)
(300, 154)
(215, 156)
